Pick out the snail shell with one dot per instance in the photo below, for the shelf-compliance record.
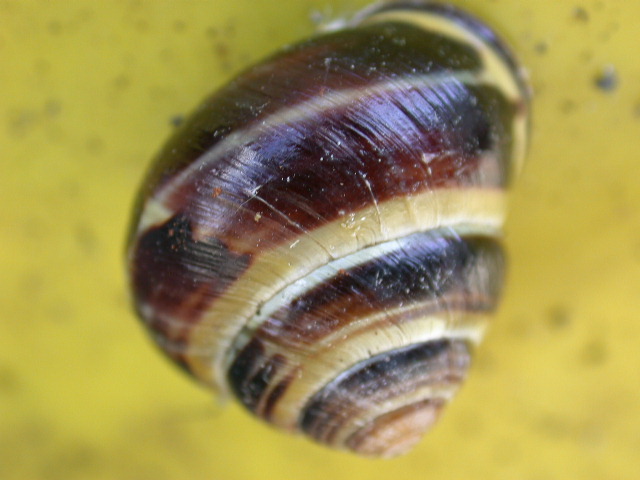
(321, 237)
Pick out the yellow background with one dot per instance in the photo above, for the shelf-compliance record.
(88, 92)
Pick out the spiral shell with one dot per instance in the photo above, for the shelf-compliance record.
(321, 237)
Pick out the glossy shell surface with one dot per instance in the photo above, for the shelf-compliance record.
(321, 237)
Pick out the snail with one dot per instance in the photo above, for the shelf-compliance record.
(321, 238)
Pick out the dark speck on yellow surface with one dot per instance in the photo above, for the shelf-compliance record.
(607, 79)
(559, 317)
(594, 353)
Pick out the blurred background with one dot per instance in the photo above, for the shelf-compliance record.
(90, 90)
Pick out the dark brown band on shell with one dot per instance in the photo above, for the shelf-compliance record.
(437, 269)
(251, 375)
(178, 276)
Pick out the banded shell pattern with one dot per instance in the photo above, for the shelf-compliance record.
(321, 237)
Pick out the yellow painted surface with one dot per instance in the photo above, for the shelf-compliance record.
(88, 91)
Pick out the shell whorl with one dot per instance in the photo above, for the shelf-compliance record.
(321, 237)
